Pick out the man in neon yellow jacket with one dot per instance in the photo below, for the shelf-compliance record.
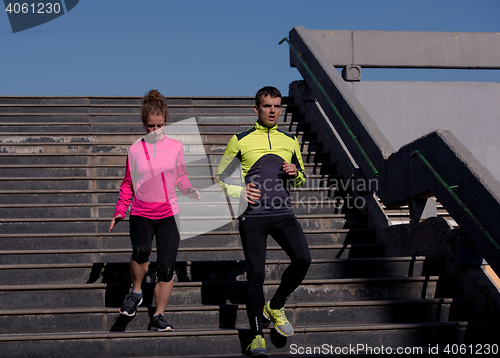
(271, 162)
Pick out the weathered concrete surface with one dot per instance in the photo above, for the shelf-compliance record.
(405, 111)
(409, 49)
(340, 97)
(433, 236)
(402, 177)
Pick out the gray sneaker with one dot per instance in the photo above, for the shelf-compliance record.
(160, 324)
(129, 307)
(279, 319)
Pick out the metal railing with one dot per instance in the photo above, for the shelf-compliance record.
(475, 205)
(330, 102)
(455, 197)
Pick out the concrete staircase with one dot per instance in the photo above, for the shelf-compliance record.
(63, 276)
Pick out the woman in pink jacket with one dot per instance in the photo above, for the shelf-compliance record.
(155, 166)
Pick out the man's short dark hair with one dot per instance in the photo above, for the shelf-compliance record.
(267, 91)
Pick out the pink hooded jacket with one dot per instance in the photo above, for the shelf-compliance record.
(153, 171)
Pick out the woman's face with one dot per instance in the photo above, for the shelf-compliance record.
(154, 122)
(154, 125)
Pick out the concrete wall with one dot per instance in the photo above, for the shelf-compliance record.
(403, 174)
(433, 236)
(405, 111)
(410, 49)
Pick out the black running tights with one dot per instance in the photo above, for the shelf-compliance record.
(286, 231)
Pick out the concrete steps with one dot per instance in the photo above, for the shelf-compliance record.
(63, 275)
(220, 253)
(141, 343)
(190, 271)
(229, 316)
(219, 292)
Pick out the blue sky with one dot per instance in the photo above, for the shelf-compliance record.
(209, 48)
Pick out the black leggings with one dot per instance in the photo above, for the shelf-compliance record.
(142, 231)
(289, 235)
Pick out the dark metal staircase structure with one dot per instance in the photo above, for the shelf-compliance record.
(63, 276)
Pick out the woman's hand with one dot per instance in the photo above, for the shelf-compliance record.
(193, 194)
(115, 221)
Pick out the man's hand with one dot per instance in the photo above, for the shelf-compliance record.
(249, 193)
(193, 194)
(290, 169)
(114, 221)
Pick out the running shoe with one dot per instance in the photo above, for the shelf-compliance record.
(279, 319)
(257, 347)
(129, 307)
(160, 324)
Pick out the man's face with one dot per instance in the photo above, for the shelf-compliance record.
(268, 110)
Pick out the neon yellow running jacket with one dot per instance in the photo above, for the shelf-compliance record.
(261, 152)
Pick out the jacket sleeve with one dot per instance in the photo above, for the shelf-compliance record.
(126, 192)
(230, 161)
(300, 179)
(182, 181)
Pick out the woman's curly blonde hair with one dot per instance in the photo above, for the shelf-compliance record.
(154, 103)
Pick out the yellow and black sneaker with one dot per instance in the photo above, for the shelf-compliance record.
(279, 319)
(257, 347)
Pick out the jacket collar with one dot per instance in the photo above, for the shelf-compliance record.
(264, 128)
(149, 139)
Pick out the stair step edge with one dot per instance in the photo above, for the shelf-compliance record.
(221, 332)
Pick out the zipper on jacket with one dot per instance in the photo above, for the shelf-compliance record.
(269, 138)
